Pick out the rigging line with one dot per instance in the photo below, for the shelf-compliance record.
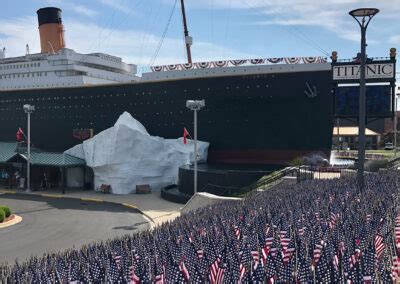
(228, 18)
(99, 35)
(306, 37)
(299, 36)
(147, 32)
(122, 20)
(153, 59)
(212, 25)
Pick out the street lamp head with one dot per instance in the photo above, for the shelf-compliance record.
(195, 105)
(29, 108)
(364, 12)
(363, 16)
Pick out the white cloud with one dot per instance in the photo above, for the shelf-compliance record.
(395, 39)
(119, 5)
(16, 33)
(75, 7)
(331, 15)
(84, 10)
(133, 46)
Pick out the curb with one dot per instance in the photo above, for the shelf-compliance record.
(17, 219)
(152, 224)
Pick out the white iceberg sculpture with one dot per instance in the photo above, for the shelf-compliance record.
(126, 155)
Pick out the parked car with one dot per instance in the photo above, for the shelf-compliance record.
(389, 146)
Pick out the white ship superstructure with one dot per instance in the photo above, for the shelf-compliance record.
(58, 66)
(66, 68)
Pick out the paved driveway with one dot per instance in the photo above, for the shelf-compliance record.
(53, 224)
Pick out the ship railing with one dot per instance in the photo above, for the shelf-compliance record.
(268, 181)
(355, 60)
(393, 163)
(298, 174)
(239, 62)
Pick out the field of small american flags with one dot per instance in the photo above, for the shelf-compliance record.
(316, 231)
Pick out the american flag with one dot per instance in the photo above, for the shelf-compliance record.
(379, 246)
(285, 237)
(133, 277)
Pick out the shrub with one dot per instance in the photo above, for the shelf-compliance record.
(2, 215)
(297, 162)
(6, 210)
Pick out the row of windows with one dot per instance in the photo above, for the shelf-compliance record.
(18, 66)
(109, 105)
(109, 95)
(23, 75)
(63, 117)
(36, 86)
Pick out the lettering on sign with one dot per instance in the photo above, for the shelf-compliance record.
(372, 71)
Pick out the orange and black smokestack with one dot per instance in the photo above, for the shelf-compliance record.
(51, 29)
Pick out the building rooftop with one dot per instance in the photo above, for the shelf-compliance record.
(352, 131)
(9, 152)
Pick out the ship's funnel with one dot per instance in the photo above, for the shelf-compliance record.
(51, 29)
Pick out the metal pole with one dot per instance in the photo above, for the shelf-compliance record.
(361, 112)
(395, 125)
(338, 136)
(28, 172)
(195, 151)
(186, 32)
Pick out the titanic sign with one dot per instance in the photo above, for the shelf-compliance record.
(372, 71)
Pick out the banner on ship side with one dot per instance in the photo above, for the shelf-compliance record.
(382, 70)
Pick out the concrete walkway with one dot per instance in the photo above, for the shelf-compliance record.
(158, 210)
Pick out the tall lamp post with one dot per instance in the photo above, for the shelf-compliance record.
(195, 106)
(363, 16)
(28, 109)
(395, 125)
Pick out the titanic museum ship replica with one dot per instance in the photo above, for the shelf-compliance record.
(265, 111)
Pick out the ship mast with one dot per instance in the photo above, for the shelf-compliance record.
(188, 39)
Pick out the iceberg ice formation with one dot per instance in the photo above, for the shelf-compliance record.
(126, 155)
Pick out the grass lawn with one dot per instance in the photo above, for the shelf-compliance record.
(387, 153)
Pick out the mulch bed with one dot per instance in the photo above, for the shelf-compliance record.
(9, 218)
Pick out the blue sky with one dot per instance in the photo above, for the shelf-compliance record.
(222, 29)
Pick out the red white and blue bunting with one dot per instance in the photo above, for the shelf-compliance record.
(240, 62)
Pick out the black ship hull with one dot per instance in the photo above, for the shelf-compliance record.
(248, 119)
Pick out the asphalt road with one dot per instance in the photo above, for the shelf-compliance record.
(53, 224)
